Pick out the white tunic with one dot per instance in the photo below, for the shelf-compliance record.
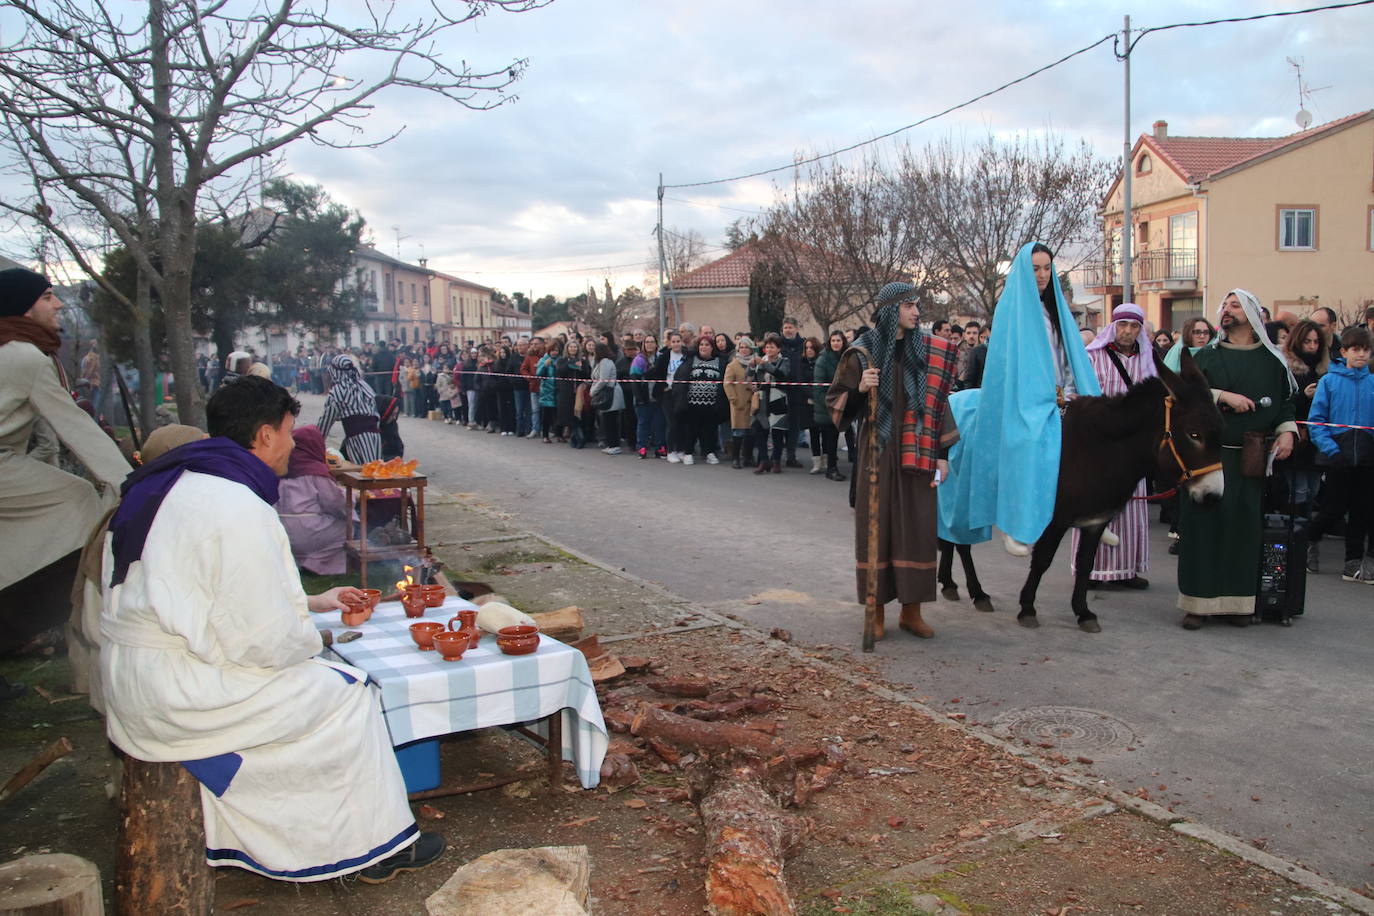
(209, 659)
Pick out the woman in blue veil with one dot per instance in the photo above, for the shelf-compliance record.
(1008, 471)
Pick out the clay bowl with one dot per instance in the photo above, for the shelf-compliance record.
(521, 640)
(374, 595)
(434, 595)
(451, 644)
(423, 633)
(354, 614)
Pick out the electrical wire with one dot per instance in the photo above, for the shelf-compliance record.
(698, 203)
(892, 133)
(1192, 25)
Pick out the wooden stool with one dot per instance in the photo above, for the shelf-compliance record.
(50, 885)
(161, 865)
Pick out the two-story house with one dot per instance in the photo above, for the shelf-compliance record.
(462, 310)
(396, 298)
(1289, 218)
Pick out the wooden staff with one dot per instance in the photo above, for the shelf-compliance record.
(871, 586)
(128, 410)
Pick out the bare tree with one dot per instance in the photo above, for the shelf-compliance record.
(198, 90)
(981, 204)
(609, 311)
(840, 233)
(683, 251)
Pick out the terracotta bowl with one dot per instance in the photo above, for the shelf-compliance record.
(423, 633)
(451, 644)
(355, 614)
(374, 596)
(434, 595)
(520, 640)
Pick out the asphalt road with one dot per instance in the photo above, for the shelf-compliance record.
(1263, 732)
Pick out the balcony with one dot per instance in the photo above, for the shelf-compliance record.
(1171, 269)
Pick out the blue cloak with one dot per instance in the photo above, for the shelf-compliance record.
(963, 405)
(1010, 468)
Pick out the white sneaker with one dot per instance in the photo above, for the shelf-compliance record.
(689, 458)
(534, 434)
(712, 459)
(674, 457)
(1110, 538)
(1015, 547)
(612, 451)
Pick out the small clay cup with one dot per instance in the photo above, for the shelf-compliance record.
(374, 596)
(434, 595)
(355, 614)
(451, 644)
(519, 640)
(423, 633)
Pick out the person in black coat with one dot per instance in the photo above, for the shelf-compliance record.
(792, 343)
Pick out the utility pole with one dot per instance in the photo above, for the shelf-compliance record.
(659, 232)
(1127, 229)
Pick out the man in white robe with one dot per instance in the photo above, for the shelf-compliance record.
(210, 659)
(1121, 359)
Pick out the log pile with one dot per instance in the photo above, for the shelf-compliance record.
(745, 780)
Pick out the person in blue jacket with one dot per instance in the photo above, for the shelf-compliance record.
(1345, 395)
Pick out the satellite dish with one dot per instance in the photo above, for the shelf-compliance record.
(1304, 119)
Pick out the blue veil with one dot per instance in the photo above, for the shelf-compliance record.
(1009, 468)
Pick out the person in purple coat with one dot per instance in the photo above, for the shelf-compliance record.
(312, 507)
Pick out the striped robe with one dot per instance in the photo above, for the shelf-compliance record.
(1131, 557)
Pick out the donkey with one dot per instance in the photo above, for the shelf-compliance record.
(1167, 427)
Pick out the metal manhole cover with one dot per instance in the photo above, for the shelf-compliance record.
(1068, 728)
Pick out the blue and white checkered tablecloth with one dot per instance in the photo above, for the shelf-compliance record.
(424, 696)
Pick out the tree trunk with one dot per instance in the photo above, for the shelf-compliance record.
(693, 734)
(747, 838)
(144, 360)
(160, 865)
(51, 885)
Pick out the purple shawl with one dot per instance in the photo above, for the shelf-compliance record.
(146, 488)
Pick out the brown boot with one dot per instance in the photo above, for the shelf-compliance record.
(911, 622)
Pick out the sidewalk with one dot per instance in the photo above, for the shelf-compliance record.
(927, 815)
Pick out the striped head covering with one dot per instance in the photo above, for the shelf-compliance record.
(354, 395)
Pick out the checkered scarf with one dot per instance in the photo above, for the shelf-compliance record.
(928, 376)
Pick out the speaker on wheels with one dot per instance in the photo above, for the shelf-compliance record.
(1282, 591)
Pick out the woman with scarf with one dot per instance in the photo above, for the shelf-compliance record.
(699, 401)
(649, 422)
(352, 402)
(48, 513)
(546, 374)
(741, 397)
(312, 507)
(770, 415)
(1309, 357)
(571, 370)
(604, 389)
(911, 373)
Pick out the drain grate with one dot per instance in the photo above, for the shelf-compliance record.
(1067, 728)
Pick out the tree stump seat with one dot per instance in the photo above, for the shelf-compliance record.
(160, 865)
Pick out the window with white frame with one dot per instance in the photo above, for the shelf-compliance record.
(1297, 229)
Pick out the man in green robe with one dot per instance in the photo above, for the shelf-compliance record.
(1218, 563)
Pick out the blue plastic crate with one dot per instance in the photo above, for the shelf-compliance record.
(419, 762)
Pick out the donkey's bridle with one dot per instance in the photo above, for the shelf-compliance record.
(1185, 472)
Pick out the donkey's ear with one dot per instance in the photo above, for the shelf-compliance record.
(1188, 370)
(1166, 375)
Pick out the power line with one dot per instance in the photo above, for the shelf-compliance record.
(892, 133)
(1193, 25)
(698, 203)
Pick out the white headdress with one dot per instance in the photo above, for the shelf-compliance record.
(1252, 313)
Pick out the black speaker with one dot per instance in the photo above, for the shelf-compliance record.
(1282, 591)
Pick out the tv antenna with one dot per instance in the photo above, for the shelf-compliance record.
(399, 237)
(1303, 117)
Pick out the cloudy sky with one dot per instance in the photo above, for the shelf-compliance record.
(556, 189)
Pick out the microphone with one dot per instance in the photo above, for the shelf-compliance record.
(1265, 401)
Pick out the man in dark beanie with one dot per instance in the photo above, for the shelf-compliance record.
(46, 513)
(911, 374)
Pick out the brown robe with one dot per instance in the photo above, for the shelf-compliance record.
(907, 544)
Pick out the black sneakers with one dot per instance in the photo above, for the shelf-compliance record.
(423, 852)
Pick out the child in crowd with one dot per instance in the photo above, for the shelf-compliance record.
(1345, 395)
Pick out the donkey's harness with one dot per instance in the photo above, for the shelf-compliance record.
(1167, 438)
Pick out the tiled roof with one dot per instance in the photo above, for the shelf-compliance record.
(1197, 158)
(731, 270)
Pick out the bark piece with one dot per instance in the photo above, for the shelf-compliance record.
(747, 838)
(549, 880)
(683, 686)
(160, 865)
(564, 624)
(54, 885)
(618, 771)
(691, 734)
(714, 712)
(605, 667)
(55, 751)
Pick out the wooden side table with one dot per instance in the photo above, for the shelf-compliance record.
(356, 545)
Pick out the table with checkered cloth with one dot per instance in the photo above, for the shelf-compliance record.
(424, 696)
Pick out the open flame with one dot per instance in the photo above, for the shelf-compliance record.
(408, 580)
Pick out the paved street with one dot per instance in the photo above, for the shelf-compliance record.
(1263, 733)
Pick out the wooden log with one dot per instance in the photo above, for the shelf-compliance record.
(50, 885)
(683, 686)
(714, 712)
(693, 734)
(564, 624)
(747, 838)
(550, 880)
(55, 751)
(160, 862)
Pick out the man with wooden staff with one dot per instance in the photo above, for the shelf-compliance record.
(899, 379)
